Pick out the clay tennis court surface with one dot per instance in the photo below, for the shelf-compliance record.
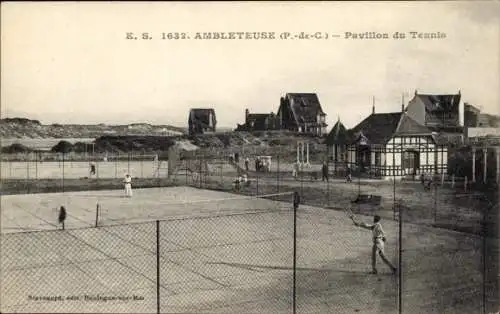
(221, 253)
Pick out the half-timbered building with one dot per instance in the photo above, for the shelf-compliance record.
(395, 145)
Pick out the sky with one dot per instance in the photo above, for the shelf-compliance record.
(70, 62)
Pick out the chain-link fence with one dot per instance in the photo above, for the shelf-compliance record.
(35, 166)
(219, 263)
(442, 234)
(60, 172)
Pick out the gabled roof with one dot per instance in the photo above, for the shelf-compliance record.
(379, 128)
(446, 103)
(338, 134)
(257, 120)
(408, 126)
(305, 106)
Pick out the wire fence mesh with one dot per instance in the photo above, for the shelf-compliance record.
(80, 270)
(197, 264)
(200, 253)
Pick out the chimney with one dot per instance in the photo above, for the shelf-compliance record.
(415, 92)
(402, 102)
(247, 112)
(373, 105)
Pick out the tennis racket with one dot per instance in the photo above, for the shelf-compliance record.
(349, 212)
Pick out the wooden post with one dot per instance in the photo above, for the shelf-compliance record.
(97, 215)
(498, 163)
(485, 164)
(307, 153)
(298, 152)
(473, 164)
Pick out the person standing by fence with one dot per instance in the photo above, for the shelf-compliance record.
(348, 174)
(325, 171)
(247, 164)
(128, 185)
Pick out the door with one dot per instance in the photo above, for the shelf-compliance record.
(410, 162)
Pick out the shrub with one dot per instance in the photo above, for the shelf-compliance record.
(15, 148)
(62, 147)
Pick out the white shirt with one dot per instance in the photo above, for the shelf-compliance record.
(128, 180)
(376, 228)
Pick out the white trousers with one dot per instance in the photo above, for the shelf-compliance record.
(128, 189)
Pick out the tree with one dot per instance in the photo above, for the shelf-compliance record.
(62, 147)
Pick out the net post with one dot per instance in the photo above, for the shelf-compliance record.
(278, 173)
(158, 267)
(97, 215)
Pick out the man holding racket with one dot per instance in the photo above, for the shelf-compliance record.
(378, 242)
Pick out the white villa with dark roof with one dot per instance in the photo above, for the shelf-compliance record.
(387, 145)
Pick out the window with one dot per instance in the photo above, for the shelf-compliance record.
(377, 158)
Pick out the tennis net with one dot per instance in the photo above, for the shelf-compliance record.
(190, 208)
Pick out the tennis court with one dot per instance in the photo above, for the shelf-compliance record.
(219, 253)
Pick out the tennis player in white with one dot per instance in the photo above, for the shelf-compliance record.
(128, 185)
(378, 242)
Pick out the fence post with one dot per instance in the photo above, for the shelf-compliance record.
(453, 180)
(442, 179)
(36, 165)
(465, 184)
(257, 181)
(327, 180)
(97, 215)
(63, 172)
(301, 182)
(28, 169)
(435, 202)
(116, 165)
(278, 174)
(221, 163)
(142, 165)
(200, 174)
(128, 163)
(158, 302)
(294, 288)
(400, 260)
(395, 207)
